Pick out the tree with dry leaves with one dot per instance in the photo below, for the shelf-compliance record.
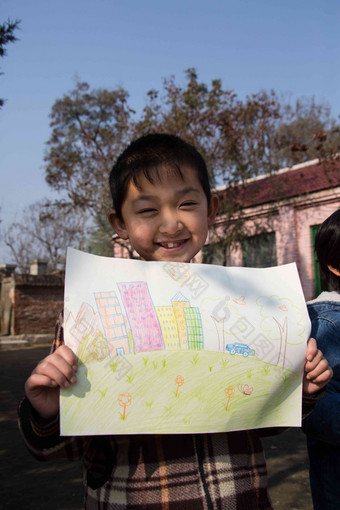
(239, 139)
(44, 232)
(7, 30)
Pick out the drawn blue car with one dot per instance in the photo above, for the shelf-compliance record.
(238, 348)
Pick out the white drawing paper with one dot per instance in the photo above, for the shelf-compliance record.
(182, 348)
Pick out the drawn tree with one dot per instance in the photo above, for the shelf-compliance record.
(274, 322)
(283, 329)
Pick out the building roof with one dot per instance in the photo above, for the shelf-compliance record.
(179, 297)
(287, 183)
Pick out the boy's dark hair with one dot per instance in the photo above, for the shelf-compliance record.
(149, 155)
(327, 247)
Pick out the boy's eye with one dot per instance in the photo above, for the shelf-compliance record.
(147, 210)
(188, 203)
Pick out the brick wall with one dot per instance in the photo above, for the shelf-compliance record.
(30, 304)
(35, 309)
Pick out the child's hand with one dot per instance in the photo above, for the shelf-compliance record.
(317, 371)
(58, 370)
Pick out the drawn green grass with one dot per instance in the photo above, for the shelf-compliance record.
(113, 366)
(130, 377)
(168, 410)
(202, 397)
(198, 395)
(194, 360)
(284, 378)
(223, 361)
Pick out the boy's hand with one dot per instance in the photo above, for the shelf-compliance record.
(58, 370)
(317, 371)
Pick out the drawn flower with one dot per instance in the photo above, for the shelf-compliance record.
(240, 301)
(245, 389)
(124, 400)
(179, 381)
(229, 394)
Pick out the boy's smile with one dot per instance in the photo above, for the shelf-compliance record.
(166, 220)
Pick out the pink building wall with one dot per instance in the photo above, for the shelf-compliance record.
(291, 220)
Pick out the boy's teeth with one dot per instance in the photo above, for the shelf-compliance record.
(171, 245)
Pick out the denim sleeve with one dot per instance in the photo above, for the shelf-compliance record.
(323, 422)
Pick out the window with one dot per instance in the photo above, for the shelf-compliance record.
(215, 253)
(260, 250)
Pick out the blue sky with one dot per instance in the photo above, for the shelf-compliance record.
(291, 46)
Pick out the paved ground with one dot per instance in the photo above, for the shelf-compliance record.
(31, 485)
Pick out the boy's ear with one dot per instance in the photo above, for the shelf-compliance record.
(212, 209)
(118, 225)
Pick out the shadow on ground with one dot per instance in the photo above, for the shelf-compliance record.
(287, 462)
(31, 485)
(25, 482)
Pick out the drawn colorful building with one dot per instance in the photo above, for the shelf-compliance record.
(81, 329)
(142, 317)
(180, 303)
(194, 328)
(168, 323)
(85, 323)
(93, 348)
(113, 322)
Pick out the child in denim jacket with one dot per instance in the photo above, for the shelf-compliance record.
(323, 424)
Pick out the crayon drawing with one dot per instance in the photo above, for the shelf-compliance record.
(181, 348)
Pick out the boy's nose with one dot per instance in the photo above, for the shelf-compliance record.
(170, 224)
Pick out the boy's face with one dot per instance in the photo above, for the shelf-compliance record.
(167, 220)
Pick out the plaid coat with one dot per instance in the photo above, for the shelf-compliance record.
(168, 472)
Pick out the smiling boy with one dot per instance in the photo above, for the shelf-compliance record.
(163, 205)
(167, 220)
(167, 207)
